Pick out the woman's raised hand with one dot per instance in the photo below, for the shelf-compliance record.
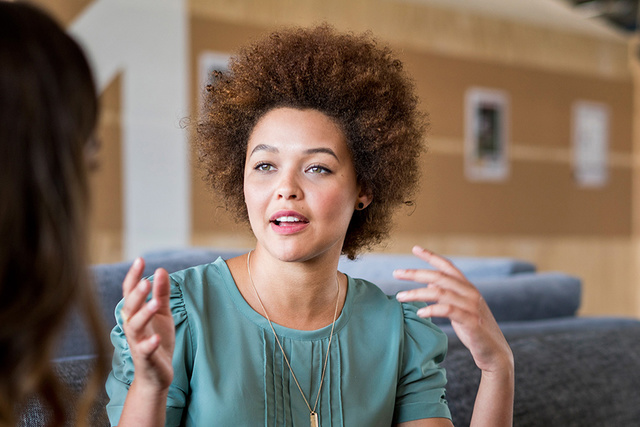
(149, 327)
(453, 296)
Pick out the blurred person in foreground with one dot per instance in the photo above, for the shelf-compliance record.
(48, 113)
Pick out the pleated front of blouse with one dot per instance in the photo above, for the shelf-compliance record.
(284, 404)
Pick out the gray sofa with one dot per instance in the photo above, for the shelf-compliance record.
(570, 370)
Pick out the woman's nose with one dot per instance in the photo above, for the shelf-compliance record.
(288, 187)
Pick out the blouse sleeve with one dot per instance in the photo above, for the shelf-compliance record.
(122, 369)
(421, 383)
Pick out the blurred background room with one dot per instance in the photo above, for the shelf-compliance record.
(534, 145)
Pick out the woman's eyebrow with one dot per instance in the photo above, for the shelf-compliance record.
(321, 150)
(272, 149)
(264, 147)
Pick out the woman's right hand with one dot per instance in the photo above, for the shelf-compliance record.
(149, 327)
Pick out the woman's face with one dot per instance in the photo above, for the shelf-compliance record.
(299, 184)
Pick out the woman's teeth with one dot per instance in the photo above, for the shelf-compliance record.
(286, 219)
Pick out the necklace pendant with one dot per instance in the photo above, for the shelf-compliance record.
(313, 417)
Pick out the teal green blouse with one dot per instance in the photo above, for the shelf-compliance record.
(383, 365)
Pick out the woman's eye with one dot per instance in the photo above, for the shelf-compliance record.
(264, 167)
(318, 169)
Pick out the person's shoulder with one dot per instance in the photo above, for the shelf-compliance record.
(201, 282)
(368, 296)
(198, 273)
(369, 290)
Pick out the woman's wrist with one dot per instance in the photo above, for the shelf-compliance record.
(151, 389)
(503, 366)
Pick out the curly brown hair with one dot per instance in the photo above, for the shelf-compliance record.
(350, 78)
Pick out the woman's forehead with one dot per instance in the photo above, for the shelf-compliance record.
(282, 130)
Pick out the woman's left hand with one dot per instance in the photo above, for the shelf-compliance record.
(453, 296)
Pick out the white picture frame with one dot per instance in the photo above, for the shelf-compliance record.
(590, 139)
(486, 134)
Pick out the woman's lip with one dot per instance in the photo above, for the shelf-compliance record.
(293, 214)
(288, 227)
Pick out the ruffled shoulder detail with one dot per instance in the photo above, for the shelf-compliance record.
(423, 332)
(421, 383)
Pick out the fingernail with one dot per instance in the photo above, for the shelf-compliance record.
(424, 311)
(152, 305)
(401, 295)
(136, 262)
(399, 271)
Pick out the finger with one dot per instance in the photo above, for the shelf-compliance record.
(419, 275)
(435, 277)
(133, 276)
(441, 295)
(132, 302)
(141, 318)
(437, 261)
(148, 346)
(162, 289)
(453, 312)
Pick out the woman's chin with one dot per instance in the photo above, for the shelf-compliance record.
(300, 253)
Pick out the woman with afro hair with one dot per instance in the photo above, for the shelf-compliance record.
(313, 138)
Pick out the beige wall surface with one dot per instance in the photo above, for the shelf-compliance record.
(107, 180)
(538, 213)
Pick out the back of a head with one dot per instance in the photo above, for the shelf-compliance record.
(48, 112)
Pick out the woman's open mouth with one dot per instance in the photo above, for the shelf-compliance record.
(288, 222)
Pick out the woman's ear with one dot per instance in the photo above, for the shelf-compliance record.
(364, 198)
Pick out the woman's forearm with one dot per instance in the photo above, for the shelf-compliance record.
(494, 401)
(144, 407)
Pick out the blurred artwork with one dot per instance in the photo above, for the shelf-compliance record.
(590, 143)
(486, 123)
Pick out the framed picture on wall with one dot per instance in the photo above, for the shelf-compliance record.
(486, 134)
(590, 143)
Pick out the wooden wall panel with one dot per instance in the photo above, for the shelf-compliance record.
(540, 99)
(539, 197)
(106, 181)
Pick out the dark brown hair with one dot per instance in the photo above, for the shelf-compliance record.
(48, 111)
(348, 77)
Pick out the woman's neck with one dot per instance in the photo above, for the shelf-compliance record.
(298, 295)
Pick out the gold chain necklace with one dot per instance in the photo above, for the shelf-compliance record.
(313, 415)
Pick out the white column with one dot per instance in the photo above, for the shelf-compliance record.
(147, 41)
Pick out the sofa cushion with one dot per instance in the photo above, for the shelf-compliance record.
(527, 296)
(577, 378)
(74, 373)
(376, 267)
